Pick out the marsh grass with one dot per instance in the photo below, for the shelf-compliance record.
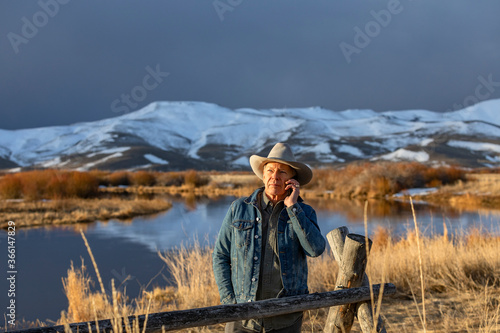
(73, 211)
(461, 291)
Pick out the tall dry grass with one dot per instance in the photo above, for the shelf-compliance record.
(192, 276)
(461, 274)
(193, 286)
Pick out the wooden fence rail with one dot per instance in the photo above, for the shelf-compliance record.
(176, 320)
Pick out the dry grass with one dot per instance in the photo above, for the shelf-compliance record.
(72, 211)
(461, 274)
(191, 278)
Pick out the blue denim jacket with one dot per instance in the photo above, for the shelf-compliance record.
(237, 253)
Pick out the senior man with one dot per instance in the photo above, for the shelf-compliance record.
(262, 245)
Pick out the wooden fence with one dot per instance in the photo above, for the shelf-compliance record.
(351, 298)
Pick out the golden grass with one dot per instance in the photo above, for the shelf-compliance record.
(193, 282)
(461, 274)
(72, 211)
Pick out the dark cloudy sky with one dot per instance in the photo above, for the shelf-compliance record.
(67, 61)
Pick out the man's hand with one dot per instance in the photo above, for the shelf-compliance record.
(294, 187)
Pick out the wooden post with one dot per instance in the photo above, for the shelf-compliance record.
(336, 239)
(341, 318)
(176, 320)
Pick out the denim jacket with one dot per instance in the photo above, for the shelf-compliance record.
(237, 253)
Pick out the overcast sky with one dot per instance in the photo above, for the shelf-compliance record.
(67, 61)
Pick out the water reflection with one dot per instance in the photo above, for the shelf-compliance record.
(123, 248)
(194, 217)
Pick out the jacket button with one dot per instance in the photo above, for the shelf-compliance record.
(256, 236)
(255, 258)
(253, 279)
(294, 210)
(257, 219)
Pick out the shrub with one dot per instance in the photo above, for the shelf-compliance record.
(143, 178)
(57, 185)
(382, 178)
(101, 176)
(119, 178)
(11, 187)
(35, 184)
(82, 185)
(49, 184)
(170, 179)
(192, 178)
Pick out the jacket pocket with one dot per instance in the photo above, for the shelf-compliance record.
(243, 231)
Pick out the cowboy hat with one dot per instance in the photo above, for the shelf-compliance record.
(281, 153)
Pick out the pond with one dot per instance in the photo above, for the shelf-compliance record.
(121, 249)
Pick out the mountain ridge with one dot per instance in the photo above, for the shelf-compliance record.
(180, 135)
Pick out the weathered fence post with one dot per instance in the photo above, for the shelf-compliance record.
(350, 252)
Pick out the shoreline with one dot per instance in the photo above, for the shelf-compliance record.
(28, 214)
(478, 194)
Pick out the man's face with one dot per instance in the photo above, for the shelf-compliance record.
(275, 176)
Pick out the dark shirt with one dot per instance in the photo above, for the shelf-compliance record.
(270, 283)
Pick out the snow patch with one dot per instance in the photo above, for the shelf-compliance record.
(415, 191)
(109, 151)
(477, 146)
(102, 160)
(406, 155)
(351, 150)
(154, 159)
(426, 142)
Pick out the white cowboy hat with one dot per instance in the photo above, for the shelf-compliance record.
(282, 153)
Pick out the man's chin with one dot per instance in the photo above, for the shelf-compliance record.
(275, 191)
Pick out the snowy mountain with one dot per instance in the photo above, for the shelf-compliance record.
(180, 135)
